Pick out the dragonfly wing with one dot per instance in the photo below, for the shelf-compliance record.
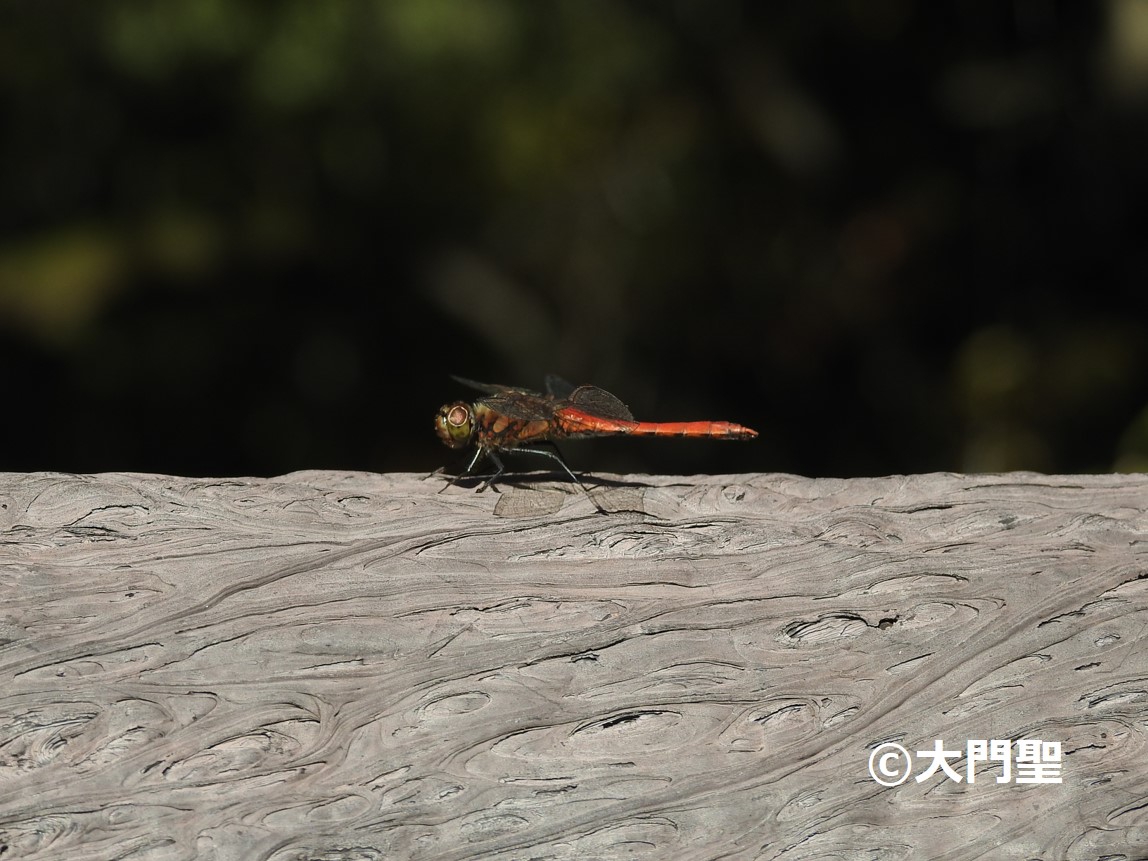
(490, 388)
(599, 402)
(558, 388)
(520, 404)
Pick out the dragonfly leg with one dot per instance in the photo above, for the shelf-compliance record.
(478, 453)
(498, 470)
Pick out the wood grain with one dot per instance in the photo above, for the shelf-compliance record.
(353, 666)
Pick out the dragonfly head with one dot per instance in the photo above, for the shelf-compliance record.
(454, 424)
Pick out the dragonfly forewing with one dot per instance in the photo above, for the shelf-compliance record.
(519, 406)
(493, 388)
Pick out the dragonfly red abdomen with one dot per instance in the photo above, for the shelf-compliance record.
(576, 423)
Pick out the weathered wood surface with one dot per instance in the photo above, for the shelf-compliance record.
(353, 666)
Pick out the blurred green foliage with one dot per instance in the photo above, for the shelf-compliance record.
(241, 237)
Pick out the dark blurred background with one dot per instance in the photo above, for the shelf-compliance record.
(243, 238)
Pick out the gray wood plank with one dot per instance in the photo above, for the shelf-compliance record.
(354, 666)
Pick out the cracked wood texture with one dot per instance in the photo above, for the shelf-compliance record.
(353, 666)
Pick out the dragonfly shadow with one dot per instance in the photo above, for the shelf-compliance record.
(540, 492)
(539, 477)
(619, 495)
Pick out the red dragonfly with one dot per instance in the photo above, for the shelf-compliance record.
(519, 419)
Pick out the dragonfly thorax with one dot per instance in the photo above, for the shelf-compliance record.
(454, 424)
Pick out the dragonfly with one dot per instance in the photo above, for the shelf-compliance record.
(525, 421)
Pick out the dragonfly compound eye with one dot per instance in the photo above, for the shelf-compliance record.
(454, 424)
